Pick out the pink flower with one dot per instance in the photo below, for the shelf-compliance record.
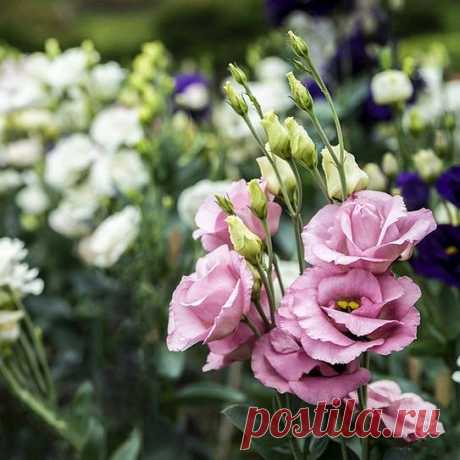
(387, 395)
(208, 304)
(338, 314)
(210, 219)
(279, 362)
(369, 230)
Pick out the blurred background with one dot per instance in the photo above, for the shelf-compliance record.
(211, 31)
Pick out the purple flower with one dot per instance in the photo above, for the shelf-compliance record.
(192, 94)
(415, 192)
(448, 185)
(314, 89)
(278, 10)
(438, 255)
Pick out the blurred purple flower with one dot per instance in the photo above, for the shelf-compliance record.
(415, 192)
(438, 255)
(448, 185)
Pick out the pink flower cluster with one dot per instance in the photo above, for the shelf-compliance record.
(347, 303)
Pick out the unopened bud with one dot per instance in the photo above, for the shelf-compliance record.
(258, 199)
(238, 74)
(377, 180)
(236, 101)
(225, 204)
(390, 165)
(298, 45)
(416, 122)
(246, 243)
(268, 173)
(52, 48)
(278, 136)
(300, 93)
(303, 149)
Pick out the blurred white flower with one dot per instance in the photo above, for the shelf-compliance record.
(117, 126)
(193, 197)
(105, 80)
(14, 273)
(273, 95)
(289, 273)
(452, 96)
(390, 87)
(22, 153)
(73, 114)
(377, 180)
(195, 97)
(427, 164)
(9, 325)
(9, 179)
(124, 171)
(34, 120)
(69, 159)
(272, 68)
(68, 68)
(456, 374)
(73, 216)
(111, 239)
(33, 199)
(446, 214)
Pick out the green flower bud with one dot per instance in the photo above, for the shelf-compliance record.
(52, 48)
(416, 122)
(246, 243)
(303, 149)
(390, 164)
(268, 173)
(298, 45)
(236, 101)
(300, 93)
(238, 74)
(278, 136)
(258, 199)
(225, 204)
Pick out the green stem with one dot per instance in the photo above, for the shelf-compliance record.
(251, 325)
(362, 396)
(262, 314)
(298, 241)
(268, 284)
(343, 448)
(295, 449)
(278, 275)
(254, 100)
(33, 365)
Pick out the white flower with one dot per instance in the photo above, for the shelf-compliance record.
(193, 197)
(22, 153)
(67, 69)
(14, 273)
(456, 374)
(9, 179)
(111, 239)
(69, 159)
(356, 178)
(34, 120)
(428, 165)
(272, 68)
(105, 80)
(73, 114)
(452, 96)
(377, 180)
(124, 171)
(195, 97)
(391, 87)
(33, 199)
(273, 95)
(446, 216)
(9, 325)
(73, 216)
(390, 164)
(115, 127)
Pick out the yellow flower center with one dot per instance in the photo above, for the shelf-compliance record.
(347, 304)
(451, 250)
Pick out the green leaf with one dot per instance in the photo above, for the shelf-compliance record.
(198, 392)
(317, 447)
(130, 449)
(94, 447)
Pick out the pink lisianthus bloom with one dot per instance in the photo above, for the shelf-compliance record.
(338, 314)
(280, 362)
(210, 219)
(208, 305)
(387, 396)
(369, 230)
(237, 346)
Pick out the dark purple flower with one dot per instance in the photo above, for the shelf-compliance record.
(314, 89)
(438, 255)
(373, 113)
(448, 185)
(415, 192)
(192, 94)
(277, 10)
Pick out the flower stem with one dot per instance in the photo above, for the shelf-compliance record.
(262, 314)
(268, 284)
(362, 396)
(251, 325)
(278, 275)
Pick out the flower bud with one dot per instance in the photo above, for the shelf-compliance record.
(441, 143)
(356, 178)
(258, 199)
(299, 93)
(303, 149)
(246, 243)
(236, 101)
(391, 87)
(449, 121)
(52, 48)
(416, 122)
(377, 180)
(225, 204)
(285, 172)
(277, 134)
(427, 164)
(9, 325)
(238, 74)
(390, 165)
(298, 45)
